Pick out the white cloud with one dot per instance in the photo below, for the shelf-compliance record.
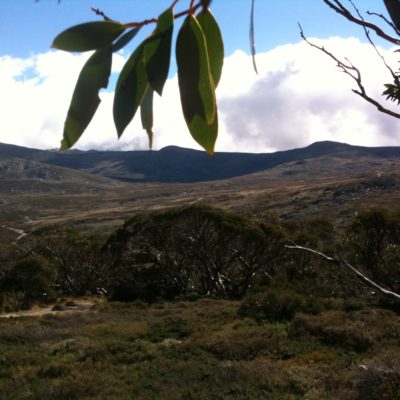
(299, 97)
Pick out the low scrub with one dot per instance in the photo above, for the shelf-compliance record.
(277, 304)
(378, 378)
(198, 350)
(357, 331)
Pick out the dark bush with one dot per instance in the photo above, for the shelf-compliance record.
(33, 276)
(373, 243)
(278, 305)
(146, 282)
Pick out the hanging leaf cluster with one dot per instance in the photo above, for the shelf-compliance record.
(392, 92)
(199, 57)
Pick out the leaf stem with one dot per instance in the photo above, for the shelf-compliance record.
(140, 24)
(173, 4)
(190, 10)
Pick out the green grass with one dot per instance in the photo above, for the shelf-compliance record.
(199, 350)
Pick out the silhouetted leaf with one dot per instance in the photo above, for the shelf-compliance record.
(196, 84)
(205, 3)
(392, 93)
(85, 99)
(215, 44)
(146, 114)
(252, 42)
(125, 39)
(204, 134)
(88, 36)
(393, 7)
(158, 51)
(131, 87)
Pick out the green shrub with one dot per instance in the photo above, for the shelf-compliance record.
(353, 304)
(33, 278)
(170, 330)
(373, 241)
(10, 301)
(148, 282)
(278, 305)
(357, 331)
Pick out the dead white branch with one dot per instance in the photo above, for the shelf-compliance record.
(337, 260)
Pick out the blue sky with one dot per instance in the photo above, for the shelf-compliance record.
(27, 26)
(299, 96)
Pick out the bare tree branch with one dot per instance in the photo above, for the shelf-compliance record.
(337, 260)
(191, 10)
(337, 6)
(390, 23)
(368, 36)
(349, 69)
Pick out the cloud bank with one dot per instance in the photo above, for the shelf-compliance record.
(299, 97)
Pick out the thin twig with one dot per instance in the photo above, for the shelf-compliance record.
(337, 6)
(173, 4)
(368, 36)
(390, 23)
(141, 23)
(190, 10)
(97, 11)
(352, 71)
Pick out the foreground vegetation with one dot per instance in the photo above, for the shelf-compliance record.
(200, 303)
(201, 349)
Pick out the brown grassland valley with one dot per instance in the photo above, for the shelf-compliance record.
(118, 290)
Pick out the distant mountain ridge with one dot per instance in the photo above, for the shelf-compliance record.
(174, 164)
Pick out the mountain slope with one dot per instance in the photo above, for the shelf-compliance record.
(21, 175)
(329, 180)
(174, 164)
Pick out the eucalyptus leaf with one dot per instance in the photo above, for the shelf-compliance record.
(204, 134)
(88, 36)
(130, 89)
(393, 7)
(146, 114)
(85, 99)
(195, 81)
(214, 41)
(124, 39)
(158, 51)
(252, 41)
(205, 3)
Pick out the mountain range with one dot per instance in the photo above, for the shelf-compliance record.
(99, 190)
(168, 165)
